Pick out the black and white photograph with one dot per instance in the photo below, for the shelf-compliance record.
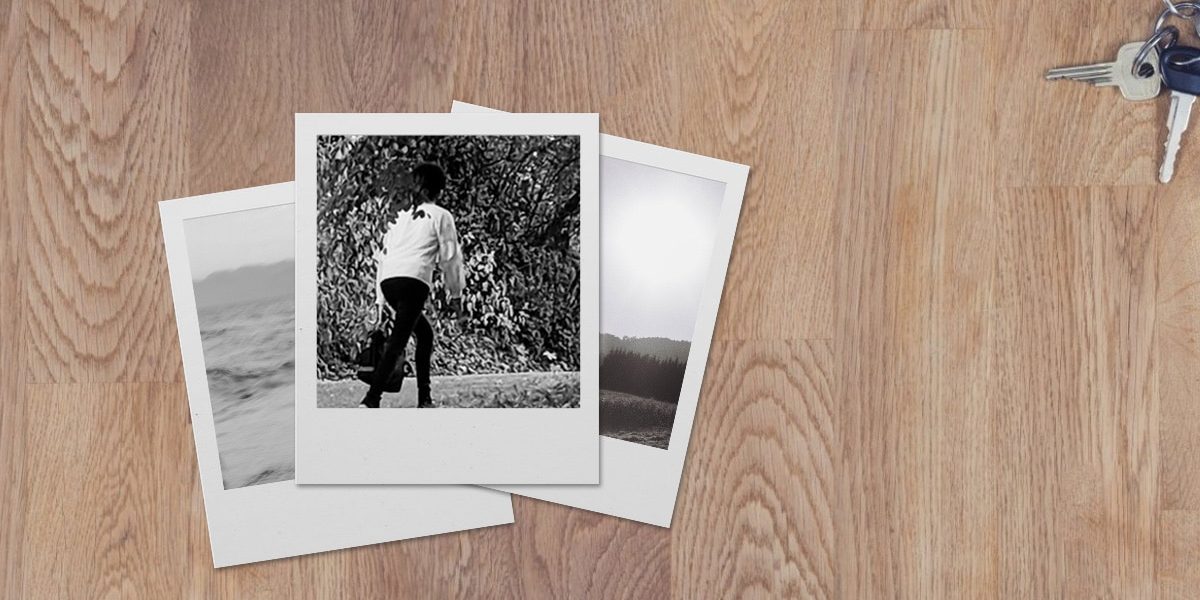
(447, 299)
(243, 276)
(652, 278)
(448, 271)
(231, 257)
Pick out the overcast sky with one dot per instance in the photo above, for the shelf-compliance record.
(258, 236)
(657, 231)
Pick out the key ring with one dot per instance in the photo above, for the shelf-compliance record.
(1170, 31)
(1174, 9)
(1177, 10)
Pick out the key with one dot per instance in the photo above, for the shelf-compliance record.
(1119, 73)
(1180, 68)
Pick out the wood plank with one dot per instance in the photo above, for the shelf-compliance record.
(1179, 338)
(1075, 392)
(109, 472)
(918, 14)
(758, 108)
(608, 557)
(374, 56)
(759, 497)
(633, 82)
(915, 258)
(1178, 568)
(242, 85)
(106, 119)
(12, 307)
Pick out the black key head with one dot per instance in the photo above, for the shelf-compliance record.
(1180, 68)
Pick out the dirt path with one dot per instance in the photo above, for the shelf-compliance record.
(527, 390)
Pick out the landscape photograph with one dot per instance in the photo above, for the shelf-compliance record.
(243, 277)
(659, 227)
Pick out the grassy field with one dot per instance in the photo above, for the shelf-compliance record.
(635, 419)
(509, 390)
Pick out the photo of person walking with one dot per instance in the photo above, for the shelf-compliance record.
(421, 237)
(465, 246)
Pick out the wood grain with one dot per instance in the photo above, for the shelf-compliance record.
(1179, 344)
(958, 354)
(773, 464)
(781, 259)
(106, 476)
(13, 67)
(918, 14)
(1178, 568)
(1075, 391)
(247, 81)
(106, 107)
(913, 288)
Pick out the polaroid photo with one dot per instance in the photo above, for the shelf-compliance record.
(668, 220)
(447, 282)
(232, 263)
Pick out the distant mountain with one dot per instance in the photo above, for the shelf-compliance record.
(247, 284)
(657, 347)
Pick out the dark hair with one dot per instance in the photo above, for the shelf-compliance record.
(431, 177)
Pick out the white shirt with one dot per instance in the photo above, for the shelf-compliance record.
(416, 242)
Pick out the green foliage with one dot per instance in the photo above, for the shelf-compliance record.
(515, 200)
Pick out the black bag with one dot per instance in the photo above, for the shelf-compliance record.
(368, 357)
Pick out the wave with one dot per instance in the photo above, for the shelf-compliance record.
(257, 444)
(249, 355)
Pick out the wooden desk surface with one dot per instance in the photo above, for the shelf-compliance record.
(958, 353)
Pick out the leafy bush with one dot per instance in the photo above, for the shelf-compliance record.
(641, 375)
(515, 200)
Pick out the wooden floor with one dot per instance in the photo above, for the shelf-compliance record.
(958, 354)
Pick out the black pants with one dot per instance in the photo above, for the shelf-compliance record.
(406, 296)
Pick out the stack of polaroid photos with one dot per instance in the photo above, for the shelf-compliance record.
(472, 304)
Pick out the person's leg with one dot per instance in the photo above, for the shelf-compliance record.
(424, 334)
(407, 298)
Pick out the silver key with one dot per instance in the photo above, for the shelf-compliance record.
(1119, 73)
(1178, 118)
(1180, 68)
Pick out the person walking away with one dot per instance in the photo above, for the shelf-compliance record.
(421, 236)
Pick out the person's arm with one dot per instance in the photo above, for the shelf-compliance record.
(380, 254)
(450, 259)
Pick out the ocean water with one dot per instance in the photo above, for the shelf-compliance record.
(249, 353)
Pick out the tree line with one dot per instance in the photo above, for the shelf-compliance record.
(641, 375)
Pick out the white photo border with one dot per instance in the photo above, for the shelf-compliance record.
(641, 482)
(446, 445)
(277, 520)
